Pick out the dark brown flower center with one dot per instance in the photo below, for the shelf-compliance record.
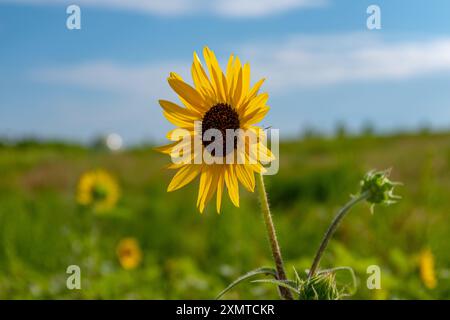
(220, 117)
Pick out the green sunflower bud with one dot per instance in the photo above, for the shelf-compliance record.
(320, 287)
(378, 187)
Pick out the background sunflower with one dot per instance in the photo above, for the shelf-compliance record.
(98, 189)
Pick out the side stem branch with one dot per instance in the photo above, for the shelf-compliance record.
(331, 229)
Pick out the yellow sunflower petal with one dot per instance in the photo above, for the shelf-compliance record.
(176, 147)
(201, 80)
(236, 95)
(175, 109)
(198, 67)
(229, 71)
(178, 134)
(214, 185)
(220, 183)
(188, 93)
(225, 89)
(206, 187)
(255, 104)
(177, 115)
(215, 72)
(259, 153)
(232, 184)
(264, 154)
(237, 65)
(178, 121)
(174, 75)
(250, 96)
(166, 149)
(254, 91)
(174, 166)
(246, 176)
(185, 175)
(256, 116)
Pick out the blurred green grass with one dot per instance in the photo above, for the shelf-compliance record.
(188, 255)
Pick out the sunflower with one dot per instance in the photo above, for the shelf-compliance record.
(129, 253)
(98, 189)
(426, 266)
(226, 103)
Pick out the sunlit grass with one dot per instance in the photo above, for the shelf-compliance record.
(185, 255)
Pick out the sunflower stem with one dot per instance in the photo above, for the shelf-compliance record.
(332, 228)
(276, 253)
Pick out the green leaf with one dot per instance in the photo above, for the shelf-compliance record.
(248, 275)
(289, 284)
(297, 277)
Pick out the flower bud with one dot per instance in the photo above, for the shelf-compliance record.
(320, 287)
(378, 187)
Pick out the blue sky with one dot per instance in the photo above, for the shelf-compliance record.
(322, 64)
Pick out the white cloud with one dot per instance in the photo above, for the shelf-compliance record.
(257, 8)
(305, 61)
(290, 64)
(140, 81)
(227, 8)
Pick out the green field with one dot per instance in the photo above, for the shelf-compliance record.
(187, 255)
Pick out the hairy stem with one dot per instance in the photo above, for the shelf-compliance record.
(276, 253)
(332, 228)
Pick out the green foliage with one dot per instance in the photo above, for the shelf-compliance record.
(316, 186)
(187, 255)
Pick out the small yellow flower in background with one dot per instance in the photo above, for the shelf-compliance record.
(426, 266)
(129, 253)
(222, 101)
(97, 188)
